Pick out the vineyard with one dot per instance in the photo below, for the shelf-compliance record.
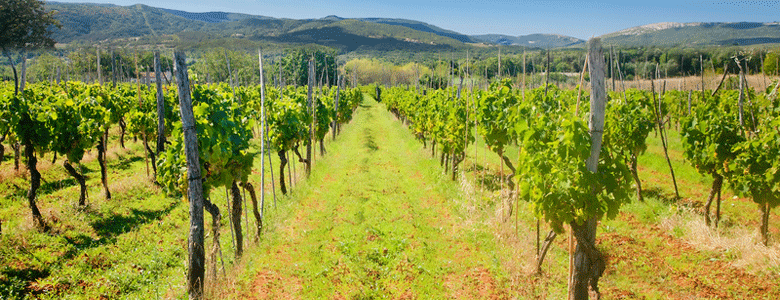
(386, 191)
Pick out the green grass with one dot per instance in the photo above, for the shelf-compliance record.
(377, 219)
(105, 249)
(132, 246)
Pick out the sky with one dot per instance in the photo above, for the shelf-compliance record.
(581, 19)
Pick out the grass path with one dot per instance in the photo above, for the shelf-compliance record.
(377, 220)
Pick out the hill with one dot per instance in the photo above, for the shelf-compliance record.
(696, 34)
(424, 27)
(531, 40)
(83, 22)
(146, 25)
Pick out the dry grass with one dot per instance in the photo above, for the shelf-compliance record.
(741, 243)
(758, 82)
(519, 254)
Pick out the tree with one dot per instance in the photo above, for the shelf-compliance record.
(212, 66)
(25, 25)
(770, 63)
(295, 66)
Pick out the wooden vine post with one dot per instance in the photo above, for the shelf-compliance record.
(523, 89)
(336, 105)
(140, 102)
(230, 73)
(701, 71)
(662, 133)
(160, 105)
(499, 62)
(102, 146)
(311, 111)
(262, 141)
(113, 70)
(588, 263)
(196, 258)
(547, 74)
(612, 65)
(99, 71)
(582, 81)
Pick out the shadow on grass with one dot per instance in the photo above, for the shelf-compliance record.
(490, 181)
(14, 282)
(85, 170)
(668, 198)
(53, 186)
(472, 167)
(125, 163)
(14, 190)
(110, 227)
(80, 242)
(369, 142)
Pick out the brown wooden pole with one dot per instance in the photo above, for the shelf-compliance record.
(195, 244)
(262, 136)
(311, 111)
(582, 81)
(160, 104)
(725, 72)
(701, 71)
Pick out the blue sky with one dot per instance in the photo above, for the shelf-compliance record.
(581, 19)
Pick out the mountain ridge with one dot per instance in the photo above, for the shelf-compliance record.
(91, 22)
(697, 34)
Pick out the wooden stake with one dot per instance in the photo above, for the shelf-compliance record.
(195, 245)
(701, 70)
(620, 73)
(585, 260)
(523, 76)
(547, 74)
(262, 134)
(160, 104)
(763, 74)
(499, 62)
(725, 72)
(24, 72)
(271, 167)
(661, 131)
(230, 75)
(571, 262)
(582, 81)
(137, 77)
(741, 100)
(99, 71)
(311, 111)
(612, 66)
